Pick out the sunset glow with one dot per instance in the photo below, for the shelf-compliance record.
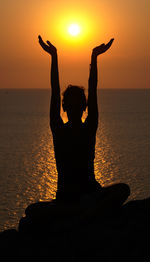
(74, 29)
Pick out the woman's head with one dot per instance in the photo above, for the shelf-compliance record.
(74, 102)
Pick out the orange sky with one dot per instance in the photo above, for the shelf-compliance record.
(24, 65)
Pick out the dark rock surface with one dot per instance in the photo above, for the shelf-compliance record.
(120, 236)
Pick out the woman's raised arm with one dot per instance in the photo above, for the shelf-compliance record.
(92, 91)
(55, 95)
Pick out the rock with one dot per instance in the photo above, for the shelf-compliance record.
(8, 237)
(122, 235)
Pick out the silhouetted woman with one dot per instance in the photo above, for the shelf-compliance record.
(74, 141)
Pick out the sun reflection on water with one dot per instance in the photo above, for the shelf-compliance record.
(47, 168)
(104, 171)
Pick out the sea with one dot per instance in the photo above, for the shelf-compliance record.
(27, 164)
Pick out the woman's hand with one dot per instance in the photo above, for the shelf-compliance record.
(49, 48)
(102, 48)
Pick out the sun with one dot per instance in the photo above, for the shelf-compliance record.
(74, 29)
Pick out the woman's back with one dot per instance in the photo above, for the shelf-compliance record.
(74, 152)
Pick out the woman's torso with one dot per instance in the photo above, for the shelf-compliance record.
(74, 153)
